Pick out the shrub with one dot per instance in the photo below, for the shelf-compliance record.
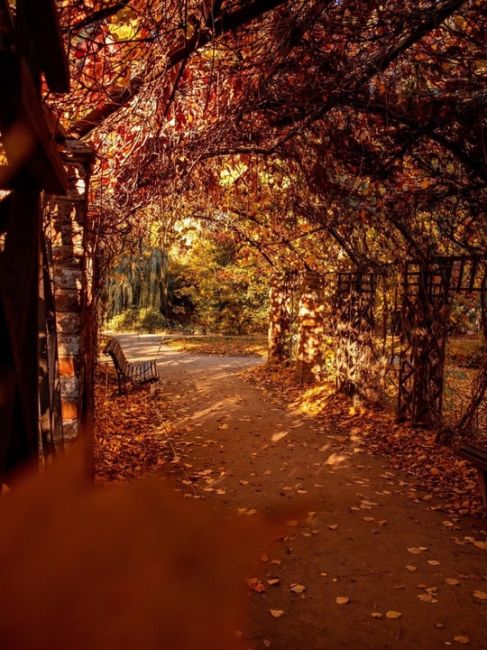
(138, 320)
(125, 321)
(150, 320)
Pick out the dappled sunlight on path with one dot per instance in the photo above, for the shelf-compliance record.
(362, 565)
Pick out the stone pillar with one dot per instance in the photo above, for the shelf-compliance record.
(311, 312)
(68, 231)
(280, 307)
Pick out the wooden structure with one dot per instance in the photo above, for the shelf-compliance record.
(355, 324)
(428, 288)
(478, 457)
(29, 50)
(415, 308)
(138, 372)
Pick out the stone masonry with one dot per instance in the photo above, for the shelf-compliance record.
(67, 229)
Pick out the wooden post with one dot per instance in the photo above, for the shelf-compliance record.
(18, 329)
(356, 368)
(280, 307)
(425, 317)
(309, 360)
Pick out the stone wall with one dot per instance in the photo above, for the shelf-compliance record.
(280, 315)
(68, 230)
(309, 357)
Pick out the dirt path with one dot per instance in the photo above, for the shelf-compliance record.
(368, 541)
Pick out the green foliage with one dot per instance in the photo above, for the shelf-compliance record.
(211, 284)
(145, 319)
(151, 320)
(227, 291)
(124, 321)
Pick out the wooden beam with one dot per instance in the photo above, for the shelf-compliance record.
(26, 137)
(19, 282)
(39, 24)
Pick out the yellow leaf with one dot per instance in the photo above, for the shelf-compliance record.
(277, 613)
(427, 598)
(393, 614)
(480, 595)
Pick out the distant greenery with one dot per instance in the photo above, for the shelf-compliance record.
(145, 319)
(206, 286)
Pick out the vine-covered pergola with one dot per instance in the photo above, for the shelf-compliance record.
(353, 135)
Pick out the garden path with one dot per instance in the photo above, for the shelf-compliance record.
(367, 541)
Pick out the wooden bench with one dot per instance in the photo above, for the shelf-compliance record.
(478, 457)
(138, 372)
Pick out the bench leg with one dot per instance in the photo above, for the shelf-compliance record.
(483, 484)
(120, 384)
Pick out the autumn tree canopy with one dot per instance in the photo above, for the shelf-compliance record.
(351, 127)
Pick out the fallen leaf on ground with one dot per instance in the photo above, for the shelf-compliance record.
(461, 639)
(427, 598)
(297, 588)
(433, 562)
(342, 600)
(452, 581)
(255, 584)
(246, 511)
(414, 550)
(411, 567)
(480, 595)
(376, 615)
(393, 614)
(277, 613)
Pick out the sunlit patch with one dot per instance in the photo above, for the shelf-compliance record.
(335, 459)
(276, 437)
(315, 398)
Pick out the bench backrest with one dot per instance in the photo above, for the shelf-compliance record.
(114, 349)
(474, 453)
